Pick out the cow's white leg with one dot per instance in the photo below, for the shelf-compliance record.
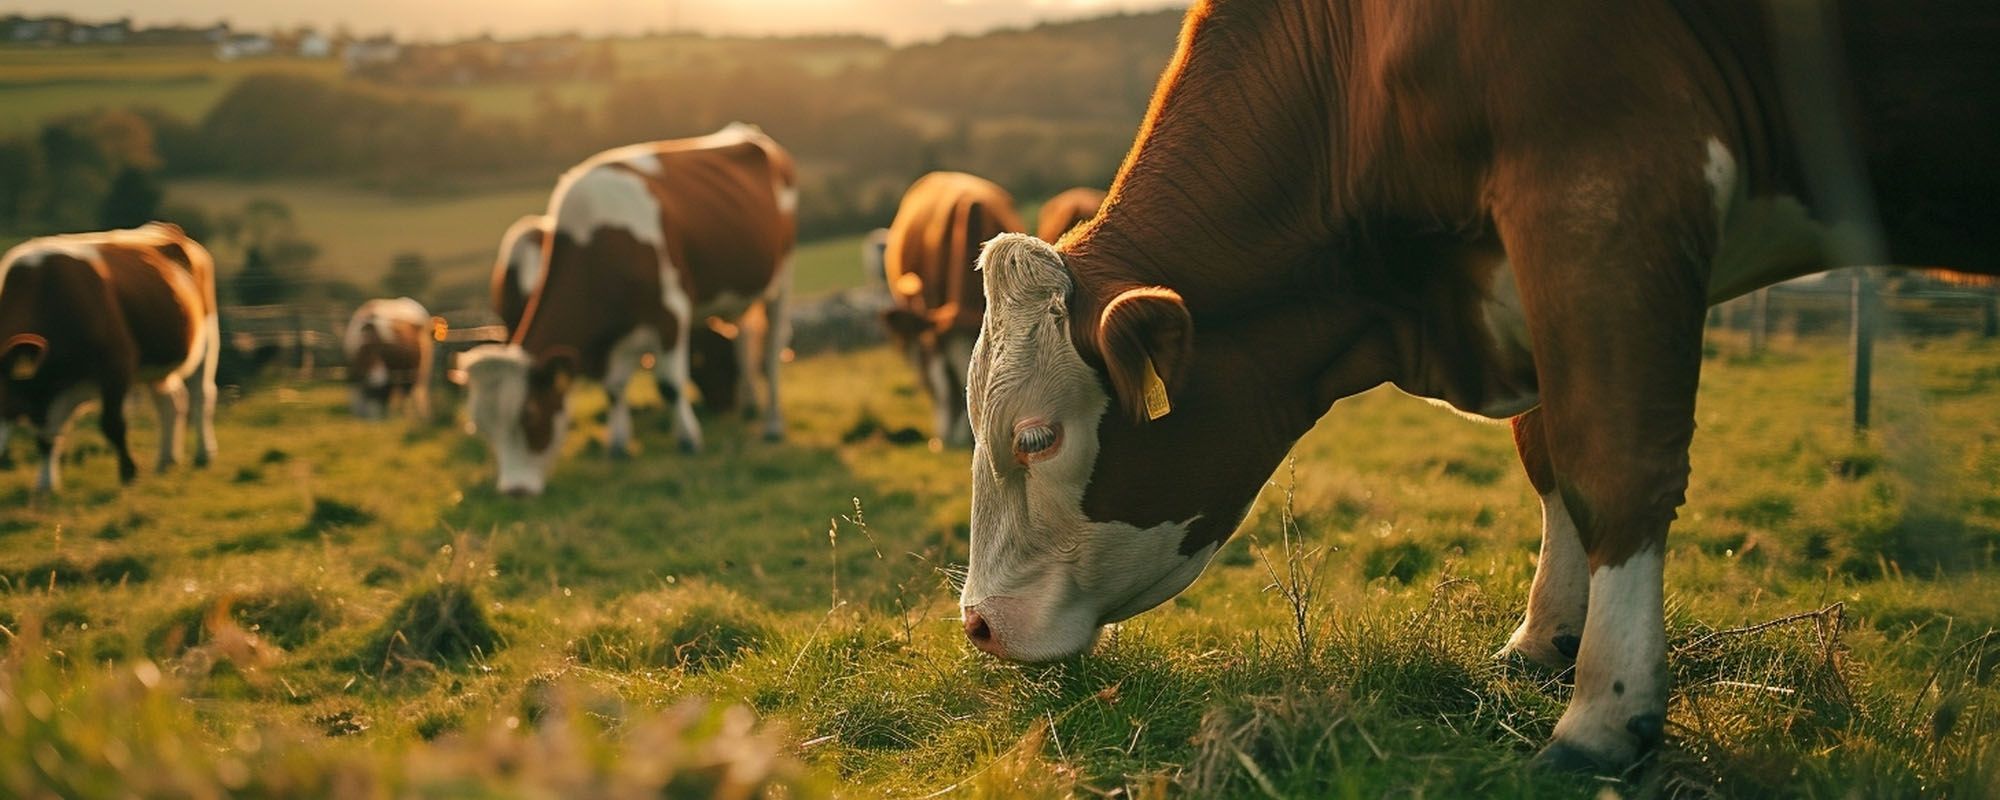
(54, 433)
(746, 378)
(170, 399)
(957, 353)
(1621, 669)
(777, 337)
(201, 395)
(624, 362)
(672, 374)
(1558, 601)
(937, 383)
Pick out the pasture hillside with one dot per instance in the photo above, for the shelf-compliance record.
(349, 609)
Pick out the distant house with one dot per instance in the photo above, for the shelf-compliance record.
(17, 29)
(313, 44)
(213, 35)
(363, 55)
(101, 33)
(244, 45)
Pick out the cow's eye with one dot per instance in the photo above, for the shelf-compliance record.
(1036, 439)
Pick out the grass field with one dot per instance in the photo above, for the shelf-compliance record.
(349, 609)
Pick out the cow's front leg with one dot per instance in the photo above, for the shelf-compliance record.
(1610, 255)
(624, 362)
(675, 381)
(1552, 629)
(777, 337)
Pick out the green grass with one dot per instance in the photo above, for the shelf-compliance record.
(37, 84)
(354, 599)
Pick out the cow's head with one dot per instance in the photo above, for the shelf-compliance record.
(1049, 565)
(517, 405)
(1113, 452)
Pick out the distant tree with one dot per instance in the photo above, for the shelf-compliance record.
(21, 176)
(194, 220)
(258, 283)
(133, 199)
(409, 275)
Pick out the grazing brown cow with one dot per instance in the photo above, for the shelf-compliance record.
(84, 317)
(1067, 210)
(388, 344)
(932, 244)
(645, 242)
(1516, 214)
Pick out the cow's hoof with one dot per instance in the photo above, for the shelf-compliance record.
(1649, 729)
(127, 473)
(620, 453)
(6, 461)
(1569, 759)
(1555, 653)
(201, 460)
(690, 447)
(774, 434)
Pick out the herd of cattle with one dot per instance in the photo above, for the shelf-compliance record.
(1517, 216)
(650, 257)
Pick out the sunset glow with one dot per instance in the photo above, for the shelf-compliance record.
(901, 20)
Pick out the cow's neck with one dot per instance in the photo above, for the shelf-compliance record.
(1226, 195)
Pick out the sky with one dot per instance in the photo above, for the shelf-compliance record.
(898, 20)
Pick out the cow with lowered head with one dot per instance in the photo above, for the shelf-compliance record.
(89, 317)
(642, 245)
(936, 301)
(388, 344)
(1516, 215)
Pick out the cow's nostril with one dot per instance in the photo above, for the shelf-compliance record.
(981, 633)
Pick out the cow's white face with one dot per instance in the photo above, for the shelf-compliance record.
(1043, 575)
(518, 407)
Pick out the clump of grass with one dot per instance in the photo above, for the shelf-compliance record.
(288, 617)
(121, 569)
(694, 629)
(274, 456)
(443, 623)
(328, 514)
(1401, 562)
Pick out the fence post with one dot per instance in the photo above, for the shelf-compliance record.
(1862, 313)
(1760, 323)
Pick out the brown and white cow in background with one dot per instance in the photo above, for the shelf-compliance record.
(84, 317)
(715, 364)
(1067, 210)
(928, 261)
(388, 344)
(644, 243)
(1517, 215)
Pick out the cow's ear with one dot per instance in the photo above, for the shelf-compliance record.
(22, 356)
(554, 372)
(1147, 339)
(905, 323)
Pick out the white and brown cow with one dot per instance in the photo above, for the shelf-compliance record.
(643, 244)
(1516, 214)
(937, 303)
(1067, 210)
(388, 344)
(86, 317)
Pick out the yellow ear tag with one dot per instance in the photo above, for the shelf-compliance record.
(1157, 405)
